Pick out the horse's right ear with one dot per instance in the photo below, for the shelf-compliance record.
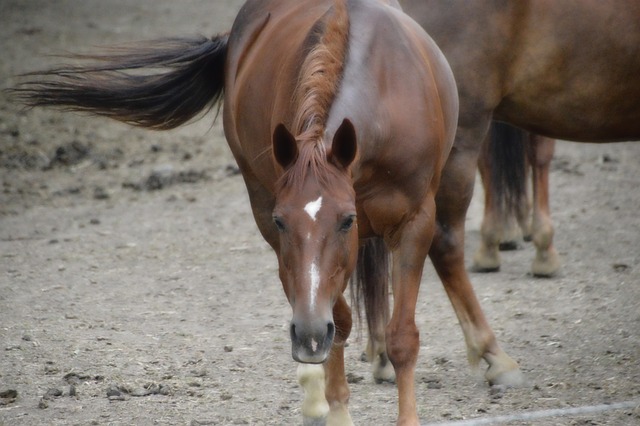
(285, 147)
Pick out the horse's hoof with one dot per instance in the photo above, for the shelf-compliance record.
(310, 421)
(546, 265)
(484, 269)
(383, 372)
(486, 260)
(511, 378)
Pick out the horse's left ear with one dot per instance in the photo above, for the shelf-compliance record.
(344, 146)
(285, 147)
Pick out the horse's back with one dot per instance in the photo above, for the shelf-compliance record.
(581, 59)
(566, 69)
(268, 44)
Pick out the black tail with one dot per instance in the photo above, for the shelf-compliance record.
(159, 85)
(372, 284)
(507, 160)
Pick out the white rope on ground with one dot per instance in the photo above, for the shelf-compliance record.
(534, 415)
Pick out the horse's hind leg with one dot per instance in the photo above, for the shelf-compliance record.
(326, 390)
(447, 256)
(547, 261)
(377, 356)
(487, 257)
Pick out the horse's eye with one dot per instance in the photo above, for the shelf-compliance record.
(279, 223)
(347, 223)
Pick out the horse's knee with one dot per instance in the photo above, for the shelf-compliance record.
(402, 346)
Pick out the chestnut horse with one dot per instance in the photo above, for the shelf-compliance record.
(508, 158)
(563, 69)
(340, 115)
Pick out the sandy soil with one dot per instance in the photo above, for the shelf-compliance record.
(135, 289)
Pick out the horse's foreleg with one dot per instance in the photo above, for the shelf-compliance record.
(326, 392)
(447, 256)
(547, 260)
(337, 389)
(402, 336)
(315, 407)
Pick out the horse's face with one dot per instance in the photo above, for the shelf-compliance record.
(318, 245)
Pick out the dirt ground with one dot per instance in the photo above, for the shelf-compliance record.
(136, 290)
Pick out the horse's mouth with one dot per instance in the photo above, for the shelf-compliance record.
(311, 353)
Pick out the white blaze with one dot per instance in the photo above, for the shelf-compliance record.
(313, 207)
(314, 275)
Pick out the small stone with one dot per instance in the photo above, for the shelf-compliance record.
(52, 393)
(113, 391)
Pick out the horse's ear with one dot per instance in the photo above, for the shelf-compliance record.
(285, 147)
(344, 146)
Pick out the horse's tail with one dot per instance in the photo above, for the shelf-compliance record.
(370, 288)
(159, 84)
(507, 159)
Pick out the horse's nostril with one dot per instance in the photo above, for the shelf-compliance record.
(331, 329)
(292, 332)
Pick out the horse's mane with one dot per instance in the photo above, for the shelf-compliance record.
(318, 82)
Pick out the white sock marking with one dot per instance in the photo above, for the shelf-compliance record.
(313, 207)
(311, 378)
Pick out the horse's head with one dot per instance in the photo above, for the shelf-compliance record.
(315, 214)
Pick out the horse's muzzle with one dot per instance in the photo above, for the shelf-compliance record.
(311, 341)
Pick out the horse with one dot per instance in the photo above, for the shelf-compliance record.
(509, 155)
(340, 115)
(562, 70)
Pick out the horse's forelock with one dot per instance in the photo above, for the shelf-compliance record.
(311, 162)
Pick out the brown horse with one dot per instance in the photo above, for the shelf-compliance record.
(340, 116)
(508, 157)
(563, 69)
